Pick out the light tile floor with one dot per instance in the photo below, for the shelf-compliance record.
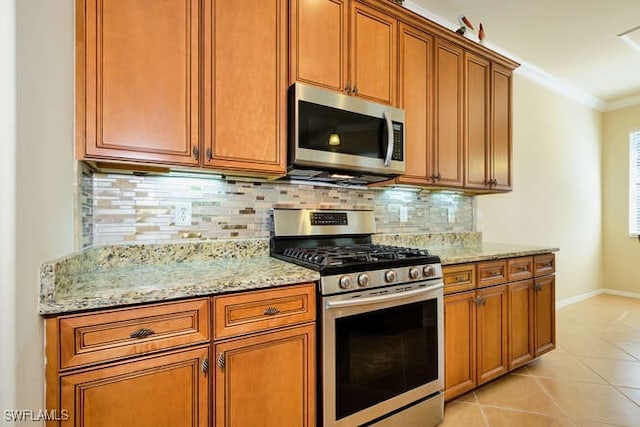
(592, 378)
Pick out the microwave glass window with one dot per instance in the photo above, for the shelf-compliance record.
(383, 353)
(329, 129)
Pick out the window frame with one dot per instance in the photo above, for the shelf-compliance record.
(633, 219)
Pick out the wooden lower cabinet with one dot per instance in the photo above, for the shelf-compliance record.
(491, 330)
(521, 326)
(460, 343)
(168, 390)
(476, 327)
(254, 374)
(492, 333)
(545, 314)
(152, 365)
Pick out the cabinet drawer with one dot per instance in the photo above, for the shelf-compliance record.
(544, 264)
(458, 278)
(520, 268)
(492, 273)
(108, 335)
(257, 311)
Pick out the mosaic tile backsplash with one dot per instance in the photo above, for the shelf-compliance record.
(121, 208)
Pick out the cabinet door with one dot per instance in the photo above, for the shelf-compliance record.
(137, 80)
(492, 333)
(318, 40)
(476, 121)
(373, 59)
(459, 344)
(448, 114)
(415, 78)
(245, 85)
(545, 314)
(501, 127)
(521, 326)
(159, 391)
(266, 380)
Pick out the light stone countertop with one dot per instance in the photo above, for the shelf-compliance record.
(120, 275)
(458, 248)
(139, 283)
(485, 251)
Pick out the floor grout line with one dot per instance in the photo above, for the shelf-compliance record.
(544, 390)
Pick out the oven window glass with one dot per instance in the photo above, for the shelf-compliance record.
(337, 131)
(384, 353)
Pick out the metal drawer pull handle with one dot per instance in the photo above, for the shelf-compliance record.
(271, 311)
(523, 268)
(494, 273)
(460, 279)
(204, 366)
(141, 333)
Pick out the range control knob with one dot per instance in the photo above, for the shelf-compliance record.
(414, 273)
(429, 271)
(390, 276)
(345, 282)
(363, 279)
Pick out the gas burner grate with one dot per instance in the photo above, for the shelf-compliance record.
(344, 255)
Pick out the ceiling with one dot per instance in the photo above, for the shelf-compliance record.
(574, 41)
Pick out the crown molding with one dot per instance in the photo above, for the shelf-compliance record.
(623, 103)
(560, 86)
(530, 71)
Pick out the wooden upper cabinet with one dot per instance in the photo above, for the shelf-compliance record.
(137, 80)
(448, 114)
(245, 83)
(318, 39)
(476, 121)
(415, 97)
(501, 127)
(373, 50)
(346, 46)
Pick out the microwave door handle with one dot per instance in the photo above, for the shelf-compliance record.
(387, 119)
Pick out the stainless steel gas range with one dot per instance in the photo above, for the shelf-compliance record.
(380, 319)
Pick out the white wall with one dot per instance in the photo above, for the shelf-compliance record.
(621, 252)
(557, 179)
(45, 172)
(7, 204)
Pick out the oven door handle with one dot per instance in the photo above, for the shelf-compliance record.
(377, 299)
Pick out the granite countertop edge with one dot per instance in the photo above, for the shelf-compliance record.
(74, 305)
(489, 252)
(133, 287)
(66, 289)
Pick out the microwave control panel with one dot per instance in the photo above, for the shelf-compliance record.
(398, 143)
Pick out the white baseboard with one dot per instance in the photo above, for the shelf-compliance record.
(572, 300)
(621, 293)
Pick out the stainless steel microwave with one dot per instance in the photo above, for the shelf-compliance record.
(335, 137)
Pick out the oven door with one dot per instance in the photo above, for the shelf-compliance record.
(381, 350)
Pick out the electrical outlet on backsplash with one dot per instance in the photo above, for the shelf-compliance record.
(119, 208)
